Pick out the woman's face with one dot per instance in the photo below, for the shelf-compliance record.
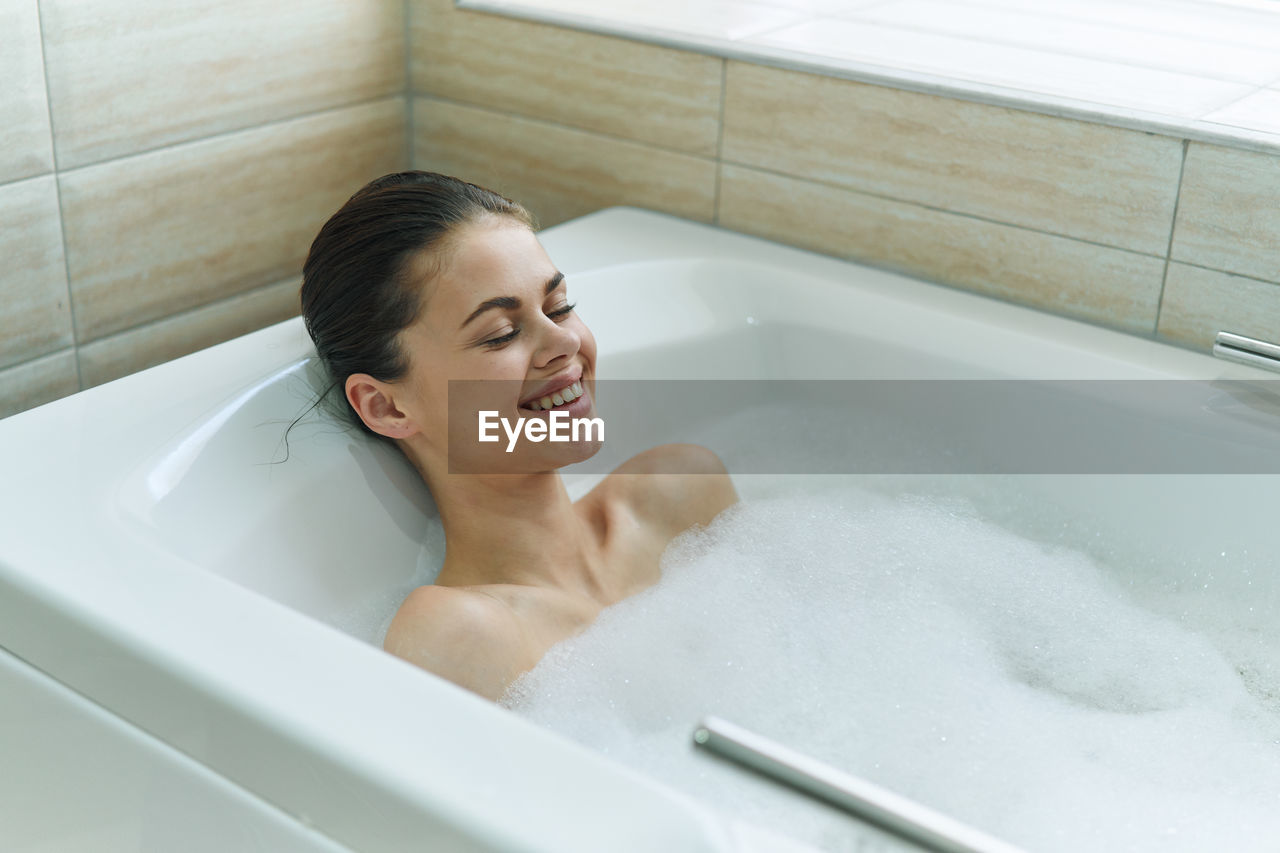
(496, 313)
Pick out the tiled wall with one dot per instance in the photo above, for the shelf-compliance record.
(163, 168)
(565, 122)
(1135, 231)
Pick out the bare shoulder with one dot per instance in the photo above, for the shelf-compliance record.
(682, 485)
(464, 636)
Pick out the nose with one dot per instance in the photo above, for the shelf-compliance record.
(558, 341)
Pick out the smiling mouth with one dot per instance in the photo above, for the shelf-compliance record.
(563, 397)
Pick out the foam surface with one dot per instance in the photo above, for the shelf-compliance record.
(1011, 684)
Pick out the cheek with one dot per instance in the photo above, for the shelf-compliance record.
(485, 364)
(428, 399)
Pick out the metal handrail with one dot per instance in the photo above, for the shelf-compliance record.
(1250, 351)
(891, 812)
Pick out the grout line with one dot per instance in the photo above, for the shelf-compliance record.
(1275, 283)
(1067, 50)
(1063, 51)
(769, 31)
(1222, 106)
(188, 313)
(724, 79)
(937, 84)
(1138, 31)
(48, 96)
(1173, 225)
(223, 134)
(27, 362)
(935, 208)
(541, 120)
(721, 162)
(13, 182)
(408, 86)
(57, 188)
(857, 9)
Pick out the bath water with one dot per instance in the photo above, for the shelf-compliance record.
(1011, 683)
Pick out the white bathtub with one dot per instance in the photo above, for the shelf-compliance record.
(154, 561)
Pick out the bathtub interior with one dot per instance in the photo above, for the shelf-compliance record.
(337, 526)
(288, 513)
(291, 501)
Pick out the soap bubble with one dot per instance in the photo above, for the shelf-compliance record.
(1011, 684)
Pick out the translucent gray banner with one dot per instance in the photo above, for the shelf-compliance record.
(891, 426)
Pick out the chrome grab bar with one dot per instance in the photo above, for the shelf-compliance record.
(889, 811)
(1250, 351)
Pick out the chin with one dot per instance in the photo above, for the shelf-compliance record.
(544, 459)
(574, 452)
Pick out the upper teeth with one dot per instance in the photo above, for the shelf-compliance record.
(559, 398)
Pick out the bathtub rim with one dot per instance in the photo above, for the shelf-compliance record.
(170, 679)
(99, 634)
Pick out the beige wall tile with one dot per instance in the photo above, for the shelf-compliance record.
(25, 146)
(1103, 184)
(131, 75)
(35, 312)
(37, 382)
(167, 339)
(558, 172)
(1107, 286)
(151, 235)
(1229, 211)
(638, 91)
(1199, 303)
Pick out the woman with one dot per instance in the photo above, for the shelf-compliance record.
(420, 279)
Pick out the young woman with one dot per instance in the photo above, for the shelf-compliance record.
(420, 279)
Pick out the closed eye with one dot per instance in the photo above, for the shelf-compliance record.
(510, 336)
(497, 342)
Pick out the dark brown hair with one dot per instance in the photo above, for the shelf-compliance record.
(357, 287)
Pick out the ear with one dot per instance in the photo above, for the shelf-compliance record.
(376, 404)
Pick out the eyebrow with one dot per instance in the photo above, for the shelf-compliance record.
(509, 302)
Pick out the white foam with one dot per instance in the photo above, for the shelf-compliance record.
(1007, 683)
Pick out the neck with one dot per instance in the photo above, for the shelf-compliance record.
(513, 529)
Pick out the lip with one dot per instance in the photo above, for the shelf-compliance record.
(564, 380)
(579, 408)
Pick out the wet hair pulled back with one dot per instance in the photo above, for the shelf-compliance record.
(358, 287)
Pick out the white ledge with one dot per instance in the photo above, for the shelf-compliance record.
(1238, 107)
